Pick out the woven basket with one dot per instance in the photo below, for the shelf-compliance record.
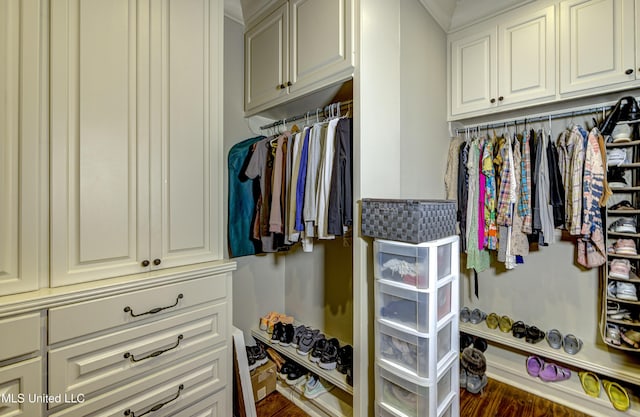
(411, 221)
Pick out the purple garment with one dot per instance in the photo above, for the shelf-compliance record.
(302, 179)
(482, 189)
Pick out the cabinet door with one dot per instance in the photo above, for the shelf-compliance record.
(17, 383)
(527, 53)
(473, 72)
(321, 42)
(99, 139)
(186, 169)
(267, 59)
(22, 152)
(597, 44)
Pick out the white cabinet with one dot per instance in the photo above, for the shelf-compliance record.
(23, 155)
(135, 136)
(301, 46)
(503, 63)
(597, 44)
(17, 382)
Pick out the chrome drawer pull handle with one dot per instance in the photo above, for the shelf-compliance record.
(156, 407)
(128, 309)
(154, 354)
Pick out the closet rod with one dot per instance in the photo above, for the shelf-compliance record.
(538, 118)
(309, 113)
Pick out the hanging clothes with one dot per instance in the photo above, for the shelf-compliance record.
(451, 173)
(556, 188)
(463, 191)
(490, 212)
(476, 259)
(574, 223)
(260, 166)
(524, 201)
(242, 200)
(340, 210)
(591, 245)
(324, 181)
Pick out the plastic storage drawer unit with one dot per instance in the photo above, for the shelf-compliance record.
(410, 308)
(409, 264)
(407, 397)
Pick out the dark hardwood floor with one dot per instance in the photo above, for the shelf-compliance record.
(497, 400)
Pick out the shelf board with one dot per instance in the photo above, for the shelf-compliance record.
(617, 300)
(623, 212)
(333, 403)
(510, 368)
(632, 278)
(333, 376)
(623, 234)
(621, 255)
(625, 189)
(632, 165)
(626, 323)
(590, 357)
(623, 144)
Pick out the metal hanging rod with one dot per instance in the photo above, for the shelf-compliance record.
(307, 114)
(539, 117)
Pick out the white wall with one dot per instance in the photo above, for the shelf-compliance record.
(424, 138)
(258, 284)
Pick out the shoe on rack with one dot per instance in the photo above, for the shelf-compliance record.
(625, 247)
(345, 358)
(308, 341)
(621, 133)
(296, 375)
(316, 386)
(329, 357)
(615, 312)
(318, 350)
(278, 330)
(626, 291)
(615, 178)
(287, 335)
(624, 225)
(612, 335)
(298, 333)
(256, 355)
(285, 369)
(612, 289)
(623, 205)
(619, 268)
(616, 157)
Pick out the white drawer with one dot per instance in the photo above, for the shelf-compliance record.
(24, 334)
(211, 406)
(199, 376)
(81, 319)
(90, 365)
(19, 383)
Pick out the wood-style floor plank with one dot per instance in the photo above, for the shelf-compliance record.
(276, 405)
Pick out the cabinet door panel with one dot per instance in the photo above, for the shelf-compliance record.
(320, 41)
(527, 64)
(21, 379)
(98, 222)
(20, 147)
(474, 72)
(266, 59)
(184, 150)
(597, 43)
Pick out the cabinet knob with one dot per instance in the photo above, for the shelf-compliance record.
(493, 100)
(145, 263)
(289, 83)
(500, 98)
(157, 261)
(282, 86)
(629, 71)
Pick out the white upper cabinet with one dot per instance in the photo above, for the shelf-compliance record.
(295, 49)
(503, 63)
(135, 132)
(23, 152)
(597, 44)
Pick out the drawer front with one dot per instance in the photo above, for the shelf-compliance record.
(210, 406)
(20, 384)
(175, 386)
(24, 334)
(90, 365)
(81, 319)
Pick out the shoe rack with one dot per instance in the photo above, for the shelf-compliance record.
(416, 329)
(631, 192)
(335, 403)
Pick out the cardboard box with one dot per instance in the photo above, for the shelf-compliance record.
(263, 380)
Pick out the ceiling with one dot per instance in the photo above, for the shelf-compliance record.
(450, 14)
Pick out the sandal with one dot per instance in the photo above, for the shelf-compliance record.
(534, 335)
(465, 314)
(571, 344)
(519, 329)
(476, 383)
(554, 338)
(612, 336)
(477, 316)
(625, 338)
(553, 373)
(534, 365)
(493, 320)
(617, 395)
(505, 324)
(590, 383)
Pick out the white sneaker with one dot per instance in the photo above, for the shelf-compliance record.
(611, 289)
(626, 291)
(316, 386)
